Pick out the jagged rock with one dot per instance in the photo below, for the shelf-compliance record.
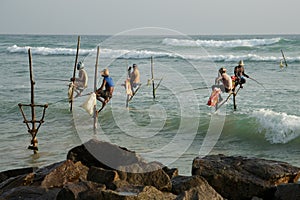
(193, 187)
(155, 177)
(149, 192)
(289, 191)
(31, 179)
(15, 172)
(65, 173)
(30, 192)
(71, 190)
(102, 176)
(248, 176)
(150, 174)
(118, 184)
(102, 154)
(11, 183)
(39, 175)
(171, 172)
(196, 193)
(129, 193)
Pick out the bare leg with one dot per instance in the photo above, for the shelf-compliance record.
(78, 92)
(103, 105)
(104, 102)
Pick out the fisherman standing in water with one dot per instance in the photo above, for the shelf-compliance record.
(105, 92)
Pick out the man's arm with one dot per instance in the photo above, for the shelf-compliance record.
(102, 86)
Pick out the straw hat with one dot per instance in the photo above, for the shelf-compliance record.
(104, 72)
(241, 63)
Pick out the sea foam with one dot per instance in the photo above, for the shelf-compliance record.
(278, 127)
(104, 52)
(144, 54)
(220, 43)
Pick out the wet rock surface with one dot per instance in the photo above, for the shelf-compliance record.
(242, 178)
(99, 170)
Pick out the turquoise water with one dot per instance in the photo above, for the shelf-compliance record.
(175, 127)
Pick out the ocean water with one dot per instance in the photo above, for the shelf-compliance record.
(177, 125)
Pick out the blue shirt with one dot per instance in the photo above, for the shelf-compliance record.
(109, 82)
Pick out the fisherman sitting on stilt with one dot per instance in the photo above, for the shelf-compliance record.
(105, 92)
(226, 80)
(134, 78)
(239, 72)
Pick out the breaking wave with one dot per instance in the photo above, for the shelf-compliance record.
(220, 43)
(106, 53)
(278, 127)
(144, 54)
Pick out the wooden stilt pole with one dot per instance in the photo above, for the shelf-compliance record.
(234, 95)
(284, 58)
(34, 129)
(74, 74)
(95, 88)
(152, 77)
(234, 103)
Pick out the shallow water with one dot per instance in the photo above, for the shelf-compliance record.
(175, 127)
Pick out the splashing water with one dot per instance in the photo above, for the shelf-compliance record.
(278, 127)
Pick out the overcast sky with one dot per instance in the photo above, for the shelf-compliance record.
(114, 16)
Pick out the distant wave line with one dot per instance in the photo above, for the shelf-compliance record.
(145, 54)
(46, 50)
(220, 43)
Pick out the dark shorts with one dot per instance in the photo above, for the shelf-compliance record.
(227, 90)
(241, 80)
(105, 94)
(223, 89)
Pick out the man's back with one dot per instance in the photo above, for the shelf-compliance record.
(135, 76)
(227, 82)
(82, 79)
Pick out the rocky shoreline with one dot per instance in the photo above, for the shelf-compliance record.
(100, 170)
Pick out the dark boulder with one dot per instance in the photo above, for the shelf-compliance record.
(193, 187)
(242, 178)
(289, 191)
(103, 176)
(15, 172)
(102, 154)
(65, 173)
(71, 190)
(128, 193)
(30, 192)
(146, 174)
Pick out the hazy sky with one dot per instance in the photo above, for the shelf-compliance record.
(114, 16)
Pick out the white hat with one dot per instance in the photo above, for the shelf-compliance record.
(104, 72)
(241, 63)
(80, 65)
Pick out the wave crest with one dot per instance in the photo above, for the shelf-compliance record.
(106, 53)
(144, 54)
(278, 127)
(220, 43)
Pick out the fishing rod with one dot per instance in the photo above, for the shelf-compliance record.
(257, 82)
(53, 79)
(200, 88)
